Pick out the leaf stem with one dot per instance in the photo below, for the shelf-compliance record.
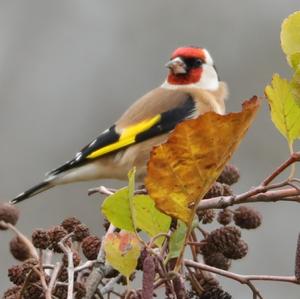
(293, 166)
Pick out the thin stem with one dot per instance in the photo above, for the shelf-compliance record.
(295, 157)
(293, 166)
(244, 279)
(221, 202)
(67, 250)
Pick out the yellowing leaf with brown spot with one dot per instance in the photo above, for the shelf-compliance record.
(122, 251)
(182, 170)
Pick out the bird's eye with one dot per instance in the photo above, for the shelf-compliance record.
(198, 62)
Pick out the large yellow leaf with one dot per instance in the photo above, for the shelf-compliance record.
(290, 38)
(285, 112)
(182, 170)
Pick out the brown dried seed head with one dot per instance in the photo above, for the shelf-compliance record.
(76, 259)
(9, 214)
(230, 175)
(90, 247)
(246, 217)
(70, 223)
(237, 251)
(221, 240)
(19, 249)
(215, 293)
(206, 216)
(81, 231)
(62, 274)
(61, 291)
(218, 260)
(56, 234)
(80, 290)
(16, 274)
(216, 190)
(224, 217)
(12, 293)
(40, 238)
(33, 291)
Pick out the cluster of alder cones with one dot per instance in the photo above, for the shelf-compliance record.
(44, 254)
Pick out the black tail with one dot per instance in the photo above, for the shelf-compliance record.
(43, 186)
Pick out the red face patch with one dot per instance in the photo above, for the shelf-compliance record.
(189, 52)
(193, 76)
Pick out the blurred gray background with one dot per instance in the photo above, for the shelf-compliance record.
(68, 69)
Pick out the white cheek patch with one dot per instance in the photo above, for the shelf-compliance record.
(209, 78)
(208, 81)
(208, 58)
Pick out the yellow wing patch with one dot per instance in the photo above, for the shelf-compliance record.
(127, 137)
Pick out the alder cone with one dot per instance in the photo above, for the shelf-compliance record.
(238, 251)
(33, 291)
(224, 217)
(12, 293)
(81, 231)
(57, 233)
(16, 274)
(90, 247)
(221, 240)
(246, 217)
(40, 239)
(215, 293)
(70, 223)
(218, 260)
(230, 175)
(206, 216)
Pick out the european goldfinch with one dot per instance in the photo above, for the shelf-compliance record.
(192, 87)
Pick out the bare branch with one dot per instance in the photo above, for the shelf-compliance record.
(295, 157)
(67, 250)
(53, 280)
(244, 279)
(221, 202)
(110, 285)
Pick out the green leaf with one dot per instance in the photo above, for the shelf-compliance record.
(290, 38)
(149, 219)
(177, 240)
(117, 210)
(127, 211)
(285, 112)
(122, 251)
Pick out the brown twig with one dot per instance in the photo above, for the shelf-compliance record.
(295, 157)
(221, 202)
(244, 279)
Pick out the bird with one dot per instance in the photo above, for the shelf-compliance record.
(191, 88)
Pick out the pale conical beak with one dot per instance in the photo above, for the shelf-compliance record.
(177, 66)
